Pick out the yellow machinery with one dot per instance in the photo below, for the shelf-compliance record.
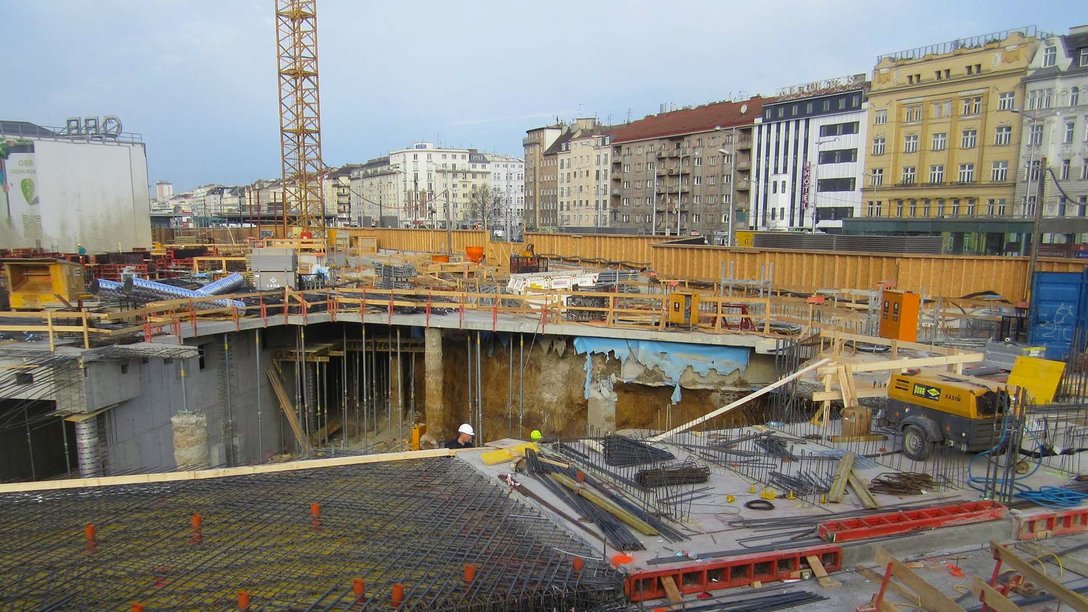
(944, 408)
(38, 283)
(684, 308)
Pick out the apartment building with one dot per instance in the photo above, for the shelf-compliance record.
(810, 156)
(943, 140)
(535, 144)
(685, 172)
(508, 189)
(1053, 165)
(583, 170)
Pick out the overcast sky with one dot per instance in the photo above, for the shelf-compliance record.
(197, 78)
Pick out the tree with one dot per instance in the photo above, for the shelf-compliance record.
(485, 206)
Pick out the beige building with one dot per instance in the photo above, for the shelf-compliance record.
(944, 142)
(582, 178)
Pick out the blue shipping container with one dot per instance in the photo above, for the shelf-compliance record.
(1059, 307)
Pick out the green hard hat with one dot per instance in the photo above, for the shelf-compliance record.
(536, 435)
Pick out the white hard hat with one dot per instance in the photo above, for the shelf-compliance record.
(465, 428)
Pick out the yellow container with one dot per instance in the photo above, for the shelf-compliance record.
(38, 283)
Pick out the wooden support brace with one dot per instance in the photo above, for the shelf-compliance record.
(842, 474)
(934, 599)
(1048, 584)
(893, 584)
(990, 597)
(671, 590)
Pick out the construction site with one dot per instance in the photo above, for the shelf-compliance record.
(260, 418)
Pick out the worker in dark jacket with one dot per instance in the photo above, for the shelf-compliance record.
(464, 437)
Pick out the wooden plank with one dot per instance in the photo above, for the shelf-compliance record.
(893, 584)
(288, 410)
(934, 599)
(990, 597)
(842, 473)
(739, 402)
(1043, 553)
(826, 396)
(914, 362)
(671, 591)
(861, 491)
(1048, 584)
(821, 574)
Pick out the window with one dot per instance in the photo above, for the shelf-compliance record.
(876, 178)
(695, 199)
(940, 140)
(913, 114)
(1084, 57)
(873, 209)
(999, 173)
(1084, 169)
(908, 175)
(1033, 172)
(913, 210)
(839, 129)
(925, 208)
(1074, 96)
(955, 208)
(1006, 101)
(972, 106)
(970, 137)
(626, 201)
(838, 156)
(1035, 135)
(836, 184)
(899, 208)
(910, 143)
(967, 173)
(940, 207)
(880, 117)
(627, 167)
(1064, 171)
(698, 161)
(1067, 137)
(1003, 135)
(1050, 56)
(698, 180)
(971, 207)
(878, 145)
(936, 174)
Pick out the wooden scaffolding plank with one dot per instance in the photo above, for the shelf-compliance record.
(861, 491)
(990, 597)
(288, 410)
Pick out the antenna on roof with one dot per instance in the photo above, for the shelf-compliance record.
(628, 114)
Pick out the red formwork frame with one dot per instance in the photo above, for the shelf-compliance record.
(1051, 523)
(742, 570)
(906, 521)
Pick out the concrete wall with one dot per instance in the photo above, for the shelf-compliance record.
(137, 432)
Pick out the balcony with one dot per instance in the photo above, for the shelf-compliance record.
(743, 186)
(744, 142)
(743, 164)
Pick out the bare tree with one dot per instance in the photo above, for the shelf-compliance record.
(484, 205)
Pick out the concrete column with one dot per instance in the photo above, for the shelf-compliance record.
(190, 440)
(87, 448)
(434, 402)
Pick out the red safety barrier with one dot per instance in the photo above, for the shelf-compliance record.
(743, 570)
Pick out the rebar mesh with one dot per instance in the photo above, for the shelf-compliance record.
(416, 523)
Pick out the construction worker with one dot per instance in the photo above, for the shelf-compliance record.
(464, 437)
(536, 436)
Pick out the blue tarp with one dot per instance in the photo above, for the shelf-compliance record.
(672, 358)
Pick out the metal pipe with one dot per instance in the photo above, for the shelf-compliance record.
(227, 284)
(159, 290)
(479, 393)
(258, 378)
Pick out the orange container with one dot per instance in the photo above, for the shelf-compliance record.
(475, 254)
(440, 258)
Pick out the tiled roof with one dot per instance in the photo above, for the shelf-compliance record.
(692, 120)
(558, 144)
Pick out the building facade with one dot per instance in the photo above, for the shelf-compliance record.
(685, 172)
(582, 177)
(535, 144)
(810, 156)
(1053, 166)
(508, 187)
(944, 143)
